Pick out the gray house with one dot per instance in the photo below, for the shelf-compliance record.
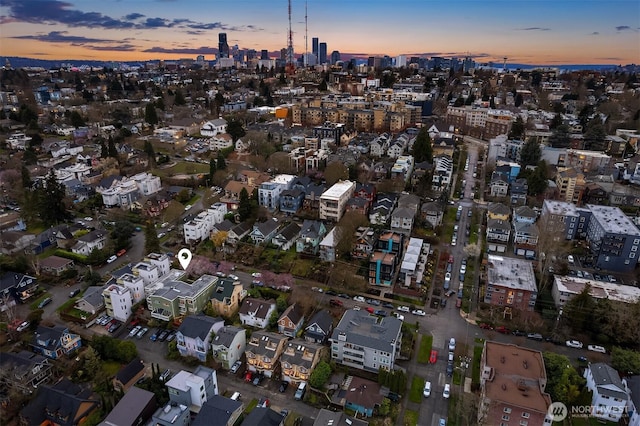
(263, 232)
(218, 411)
(195, 334)
(319, 328)
(193, 389)
(136, 407)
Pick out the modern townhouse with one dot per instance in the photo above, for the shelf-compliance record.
(525, 239)
(298, 360)
(193, 389)
(366, 342)
(269, 192)
(118, 300)
(200, 227)
(263, 352)
(333, 201)
(442, 173)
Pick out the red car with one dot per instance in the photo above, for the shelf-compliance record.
(248, 377)
(485, 326)
(502, 330)
(450, 258)
(369, 309)
(433, 357)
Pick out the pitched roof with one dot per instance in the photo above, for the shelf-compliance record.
(223, 289)
(217, 410)
(526, 211)
(198, 326)
(260, 416)
(12, 279)
(290, 231)
(259, 308)
(267, 227)
(293, 312)
(130, 371)
(498, 208)
(130, 407)
(607, 381)
(323, 320)
(224, 336)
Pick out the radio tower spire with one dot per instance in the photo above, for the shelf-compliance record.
(306, 36)
(290, 68)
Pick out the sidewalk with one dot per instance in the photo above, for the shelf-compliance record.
(411, 370)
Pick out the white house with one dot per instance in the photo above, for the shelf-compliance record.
(200, 227)
(609, 395)
(94, 240)
(214, 127)
(220, 141)
(256, 312)
(269, 192)
(228, 345)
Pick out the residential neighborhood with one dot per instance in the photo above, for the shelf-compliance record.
(397, 241)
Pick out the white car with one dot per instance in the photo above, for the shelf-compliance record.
(463, 268)
(418, 312)
(135, 330)
(596, 348)
(23, 326)
(447, 278)
(88, 219)
(404, 309)
(359, 299)
(112, 259)
(452, 344)
(574, 344)
(570, 259)
(399, 316)
(446, 393)
(187, 207)
(427, 389)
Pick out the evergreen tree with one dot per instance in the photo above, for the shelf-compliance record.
(76, 119)
(221, 164)
(530, 153)
(235, 129)
(148, 149)
(50, 197)
(492, 102)
(179, 98)
(26, 177)
(150, 115)
(151, 242)
(104, 151)
(517, 129)
(113, 152)
(244, 205)
(422, 149)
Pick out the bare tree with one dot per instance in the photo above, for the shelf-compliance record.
(551, 244)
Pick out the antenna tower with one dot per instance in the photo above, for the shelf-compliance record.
(306, 36)
(290, 68)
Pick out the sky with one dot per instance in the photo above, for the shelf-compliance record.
(537, 32)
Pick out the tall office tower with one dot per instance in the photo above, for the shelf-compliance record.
(401, 61)
(283, 54)
(223, 47)
(264, 54)
(335, 57)
(235, 52)
(322, 53)
(251, 54)
(314, 48)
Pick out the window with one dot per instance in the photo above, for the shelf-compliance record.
(505, 417)
(525, 415)
(632, 255)
(507, 410)
(523, 423)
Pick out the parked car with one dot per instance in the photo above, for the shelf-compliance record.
(359, 299)
(518, 333)
(142, 332)
(23, 326)
(596, 348)
(248, 377)
(485, 326)
(163, 335)
(165, 376)
(134, 330)
(418, 312)
(502, 329)
(433, 357)
(449, 369)
(121, 252)
(369, 309)
(112, 259)
(114, 326)
(381, 312)
(74, 293)
(155, 335)
(427, 389)
(446, 393)
(283, 386)
(452, 344)
(284, 412)
(388, 305)
(574, 344)
(336, 302)
(331, 293)
(403, 308)
(44, 303)
(235, 367)
(257, 379)
(171, 336)
(344, 296)
(264, 402)
(535, 336)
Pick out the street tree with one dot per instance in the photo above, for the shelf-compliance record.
(236, 129)
(212, 169)
(563, 381)
(150, 115)
(148, 149)
(625, 360)
(50, 200)
(245, 209)
(121, 234)
(76, 119)
(517, 129)
(151, 242)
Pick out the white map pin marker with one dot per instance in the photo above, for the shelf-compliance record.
(184, 256)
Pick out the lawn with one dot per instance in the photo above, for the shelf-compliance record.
(111, 367)
(251, 405)
(475, 368)
(417, 386)
(182, 168)
(410, 418)
(425, 349)
(35, 303)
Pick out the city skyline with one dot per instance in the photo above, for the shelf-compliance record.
(532, 32)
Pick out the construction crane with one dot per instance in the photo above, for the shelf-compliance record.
(290, 67)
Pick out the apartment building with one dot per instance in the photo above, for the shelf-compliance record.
(193, 389)
(510, 283)
(613, 238)
(118, 301)
(333, 201)
(512, 386)
(153, 267)
(442, 173)
(263, 352)
(199, 228)
(269, 192)
(563, 218)
(124, 192)
(366, 342)
(169, 298)
(571, 184)
(564, 288)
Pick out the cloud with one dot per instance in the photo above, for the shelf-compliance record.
(57, 11)
(533, 29)
(623, 28)
(62, 37)
(594, 33)
(204, 50)
(115, 48)
(134, 16)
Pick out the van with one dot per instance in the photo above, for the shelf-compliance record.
(300, 391)
(235, 396)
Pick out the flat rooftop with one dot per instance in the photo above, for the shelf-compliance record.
(336, 191)
(560, 208)
(613, 220)
(517, 376)
(510, 272)
(598, 289)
